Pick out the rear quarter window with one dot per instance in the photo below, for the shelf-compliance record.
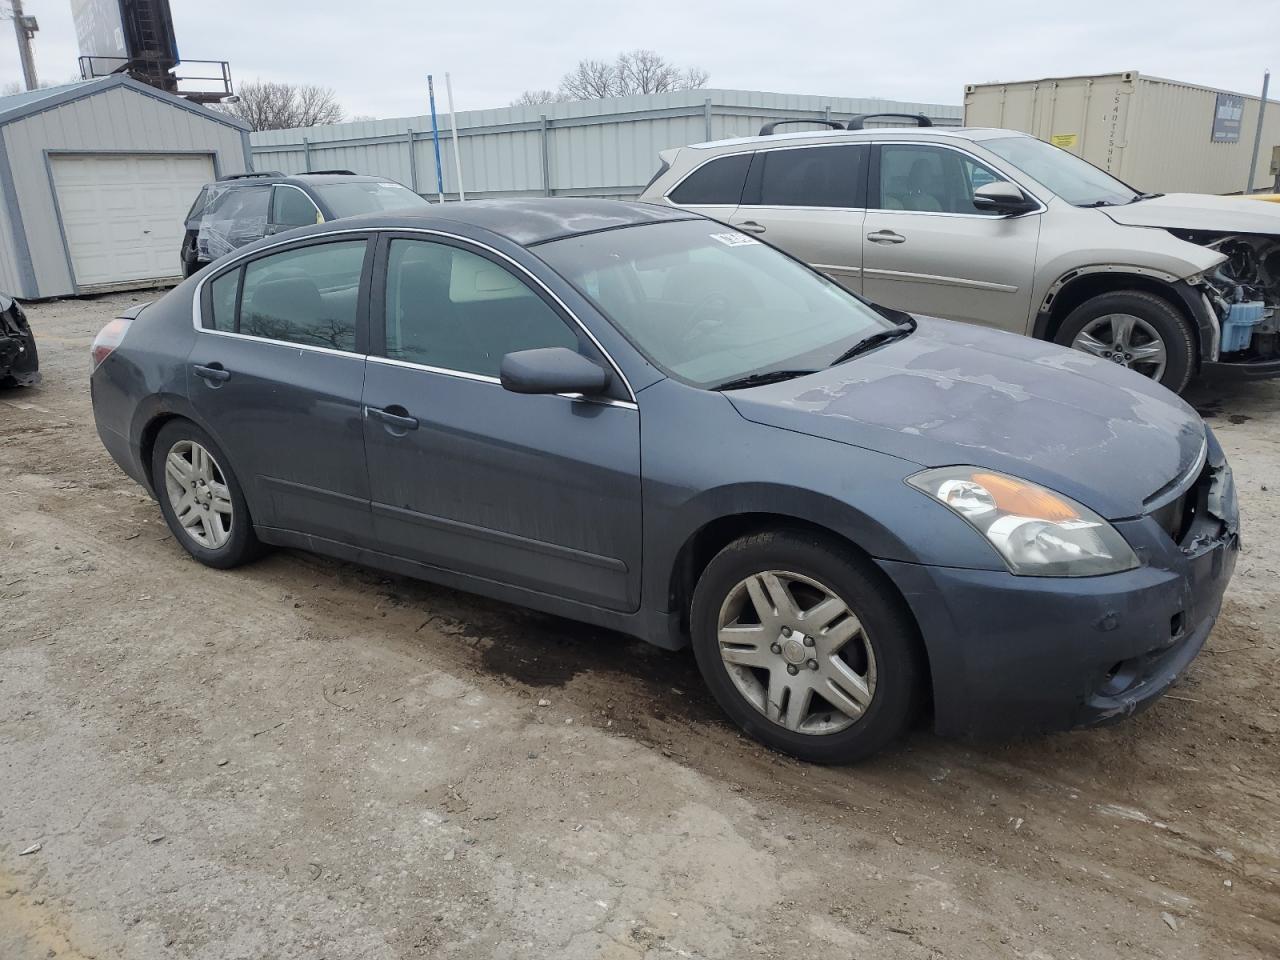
(717, 182)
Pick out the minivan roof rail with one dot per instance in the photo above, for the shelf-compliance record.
(768, 128)
(256, 173)
(859, 121)
(347, 173)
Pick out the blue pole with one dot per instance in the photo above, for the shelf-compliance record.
(435, 137)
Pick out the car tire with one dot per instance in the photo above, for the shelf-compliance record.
(205, 509)
(885, 653)
(1088, 328)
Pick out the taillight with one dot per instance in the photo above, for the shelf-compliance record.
(108, 339)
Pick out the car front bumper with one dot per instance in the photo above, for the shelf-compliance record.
(1014, 654)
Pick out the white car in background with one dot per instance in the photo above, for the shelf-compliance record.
(998, 228)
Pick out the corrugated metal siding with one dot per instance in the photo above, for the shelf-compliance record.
(597, 148)
(1155, 134)
(9, 280)
(116, 119)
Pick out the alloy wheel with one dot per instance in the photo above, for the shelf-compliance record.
(796, 652)
(1126, 340)
(198, 493)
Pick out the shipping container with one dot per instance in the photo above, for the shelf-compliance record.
(1156, 135)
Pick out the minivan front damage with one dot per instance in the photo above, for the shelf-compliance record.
(19, 362)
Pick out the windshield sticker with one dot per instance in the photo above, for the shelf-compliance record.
(734, 239)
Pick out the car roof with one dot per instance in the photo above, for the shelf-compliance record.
(529, 220)
(854, 136)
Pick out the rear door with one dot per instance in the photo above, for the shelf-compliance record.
(927, 248)
(537, 492)
(276, 373)
(810, 201)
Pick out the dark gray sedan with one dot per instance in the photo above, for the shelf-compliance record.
(643, 419)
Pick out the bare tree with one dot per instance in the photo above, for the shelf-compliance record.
(267, 105)
(630, 72)
(531, 98)
(590, 80)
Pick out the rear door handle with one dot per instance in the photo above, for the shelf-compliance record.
(395, 417)
(886, 236)
(214, 373)
(751, 226)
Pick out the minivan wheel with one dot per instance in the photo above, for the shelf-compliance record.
(200, 497)
(806, 646)
(1137, 330)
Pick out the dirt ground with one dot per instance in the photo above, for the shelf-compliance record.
(307, 759)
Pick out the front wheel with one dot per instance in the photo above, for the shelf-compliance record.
(1137, 330)
(808, 649)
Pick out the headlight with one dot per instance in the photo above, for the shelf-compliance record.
(1038, 533)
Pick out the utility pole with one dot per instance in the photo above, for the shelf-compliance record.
(25, 27)
(1257, 135)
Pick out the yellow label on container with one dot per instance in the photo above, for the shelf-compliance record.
(1064, 140)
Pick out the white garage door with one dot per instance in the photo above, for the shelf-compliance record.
(123, 213)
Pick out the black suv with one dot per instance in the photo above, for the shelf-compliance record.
(249, 206)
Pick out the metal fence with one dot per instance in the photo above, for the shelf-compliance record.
(602, 148)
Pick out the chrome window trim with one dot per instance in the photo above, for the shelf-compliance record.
(294, 226)
(485, 378)
(197, 319)
(981, 161)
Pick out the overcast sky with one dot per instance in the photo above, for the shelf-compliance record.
(376, 54)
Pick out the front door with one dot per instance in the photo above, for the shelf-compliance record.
(928, 250)
(810, 201)
(537, 492)
(277, 373)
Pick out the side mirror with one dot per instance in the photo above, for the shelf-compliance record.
(1002, 196)
(552, 370)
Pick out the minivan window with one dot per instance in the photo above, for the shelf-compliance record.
(290, 207)
(931, 179)
(1076, 181)
(716, 183)
(708, 304)
(453, 309)
(307, 296)
(813, 176)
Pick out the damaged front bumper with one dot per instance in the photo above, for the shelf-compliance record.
(1027, 654)
(19, 360)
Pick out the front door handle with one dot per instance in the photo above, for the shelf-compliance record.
(395, 417)
(751, 226)
(886, 236)
(213, 373)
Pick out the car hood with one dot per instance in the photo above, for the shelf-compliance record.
(1199, 211)
(957, 394)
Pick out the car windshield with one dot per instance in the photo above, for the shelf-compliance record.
(351, 199)
(1076, 181)
(710, 305)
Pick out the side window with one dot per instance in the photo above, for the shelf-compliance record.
(233, 216)
(222, 300)
(291, 207)
(931, 179)
(307, 296)
(813, 176)
(449, 308)
(717, 182)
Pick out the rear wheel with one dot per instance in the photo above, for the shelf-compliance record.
(201, 498)
(1137, 330)
(805, 647)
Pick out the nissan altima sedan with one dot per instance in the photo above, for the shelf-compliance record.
(639, 418)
